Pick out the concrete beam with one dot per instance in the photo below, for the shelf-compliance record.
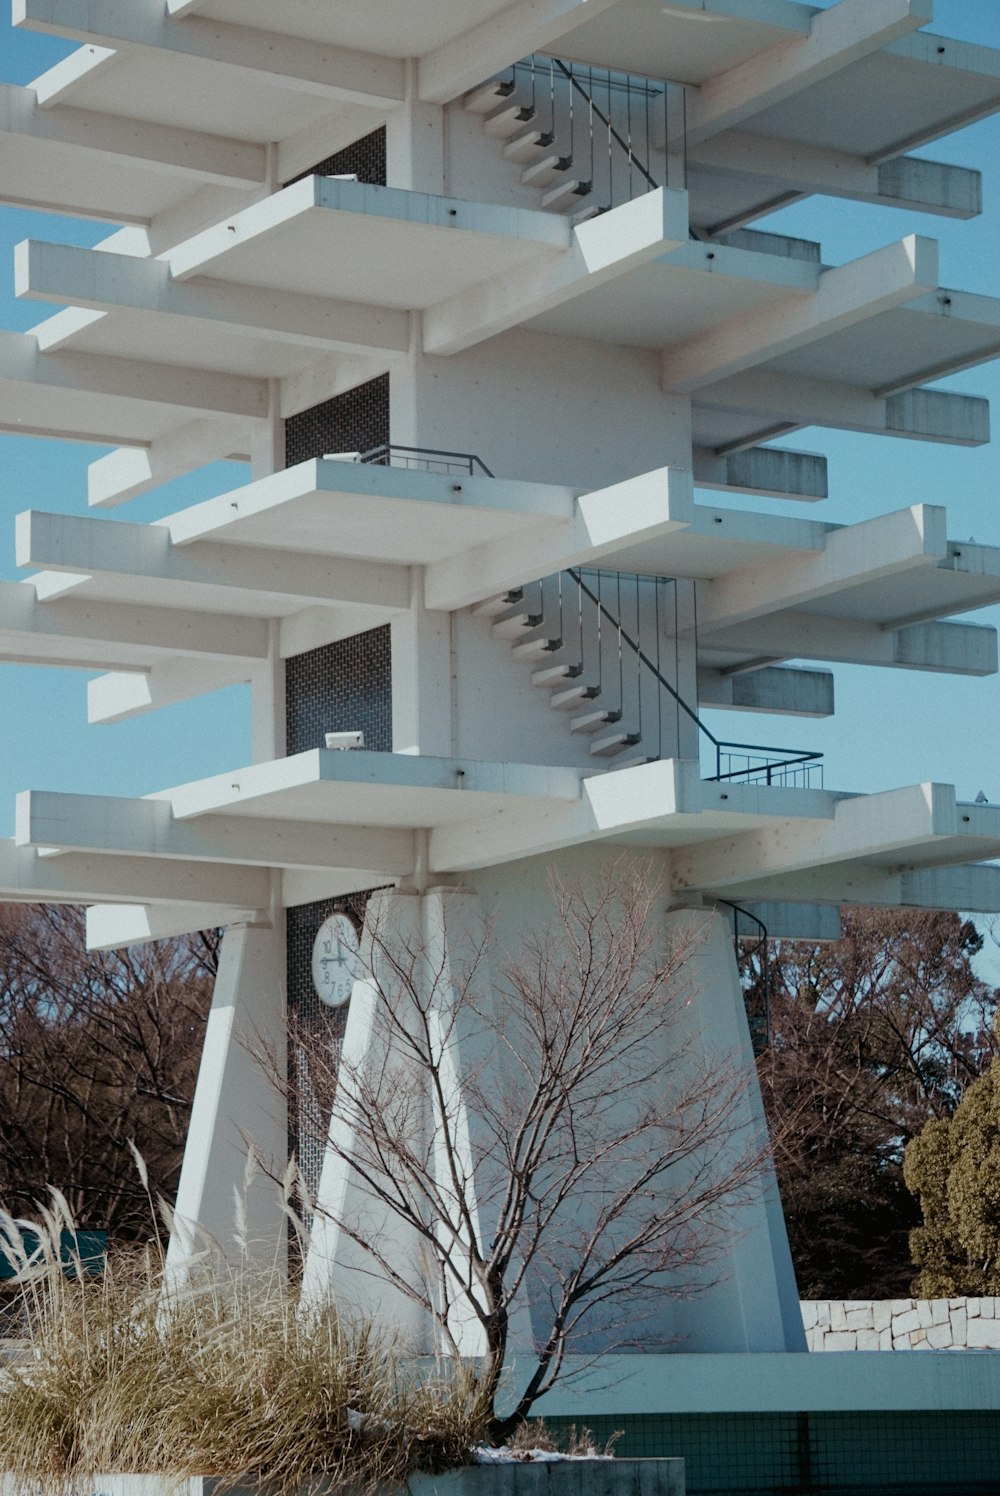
(128, 471)
(131, 142)
(963, 420)
(146, 828)
(522, 28)
(90, 374)
(930, 186)
(972, 888)
(844, 34)
(907, 540)
(120, 694)
(790, 401)
(910, 182)
(259, 57)
(69, 621)
(628, 513)
(863, 826)
(27, 875)
(102, 281)
(112, 926)
(845, 296)
(951, 648)
(785, 689)
(772, 472)
(600, 250)
(785, 920)
(115, 548)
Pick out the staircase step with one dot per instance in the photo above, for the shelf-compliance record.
(552, 675)
(488, 95)
(586, 213)
(513, 623)
(527, 146)
(592, 720)
(568, 696)
(610, 743)
(565, 194)
(508, 120)
(550, 169)
(534, 649)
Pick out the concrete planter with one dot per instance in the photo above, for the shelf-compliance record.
(535, 1478)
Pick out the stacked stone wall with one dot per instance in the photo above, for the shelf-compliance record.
(902, 1324)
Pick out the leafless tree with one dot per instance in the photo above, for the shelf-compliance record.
(873, 1035)
(549, 1127)
(96, 1049)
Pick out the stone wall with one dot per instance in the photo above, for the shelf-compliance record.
(902, 1324)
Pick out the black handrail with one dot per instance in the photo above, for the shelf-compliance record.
(568, 73)
(383, 455)
(760, 1034)
(795, 757)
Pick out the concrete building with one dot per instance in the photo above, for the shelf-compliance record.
(471, 288)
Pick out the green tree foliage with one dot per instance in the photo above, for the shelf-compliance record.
(953, 1167)
(872, 1036)
(97, 1048)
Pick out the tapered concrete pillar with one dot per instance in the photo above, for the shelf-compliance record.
(423, 958)
(238, 1106)
(752, 1303)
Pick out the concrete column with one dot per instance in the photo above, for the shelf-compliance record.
(415, 156)
(267, 682)
(434, 937)
(745, 1301)
(237, 1104)
(421, 677)
(753, 1303)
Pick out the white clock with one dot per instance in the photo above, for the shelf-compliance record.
(335, 960)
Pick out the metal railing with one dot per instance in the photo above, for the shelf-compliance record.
(753, 965)
(429, 459)
(630, 681)
(608, 129)
(759, 765)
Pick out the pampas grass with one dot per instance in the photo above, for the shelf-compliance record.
(221, 1375)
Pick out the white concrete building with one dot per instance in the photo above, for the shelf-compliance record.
(469, 286)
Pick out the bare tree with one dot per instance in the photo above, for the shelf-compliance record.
(552, 1134)
(97, 1048)
(873, 1035)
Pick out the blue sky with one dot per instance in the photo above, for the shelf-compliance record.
(891, 728)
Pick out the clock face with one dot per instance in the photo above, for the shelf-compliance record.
(335, 960)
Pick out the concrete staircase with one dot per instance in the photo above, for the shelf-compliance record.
(570, 132)
(586, 657)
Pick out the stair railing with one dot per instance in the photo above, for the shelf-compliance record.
(752, 963)
(600, 144)
(790, 766)
(569, 74)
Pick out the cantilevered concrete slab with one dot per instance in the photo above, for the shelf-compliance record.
(101, 166)
(117, 401)
(283, 543)
(105, 636)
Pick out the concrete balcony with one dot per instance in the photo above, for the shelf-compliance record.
(322, 817)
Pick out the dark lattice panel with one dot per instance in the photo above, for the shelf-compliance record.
(338, 687)
(857, 1454)
(341, 687)
(355, 421)
(365, 158)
